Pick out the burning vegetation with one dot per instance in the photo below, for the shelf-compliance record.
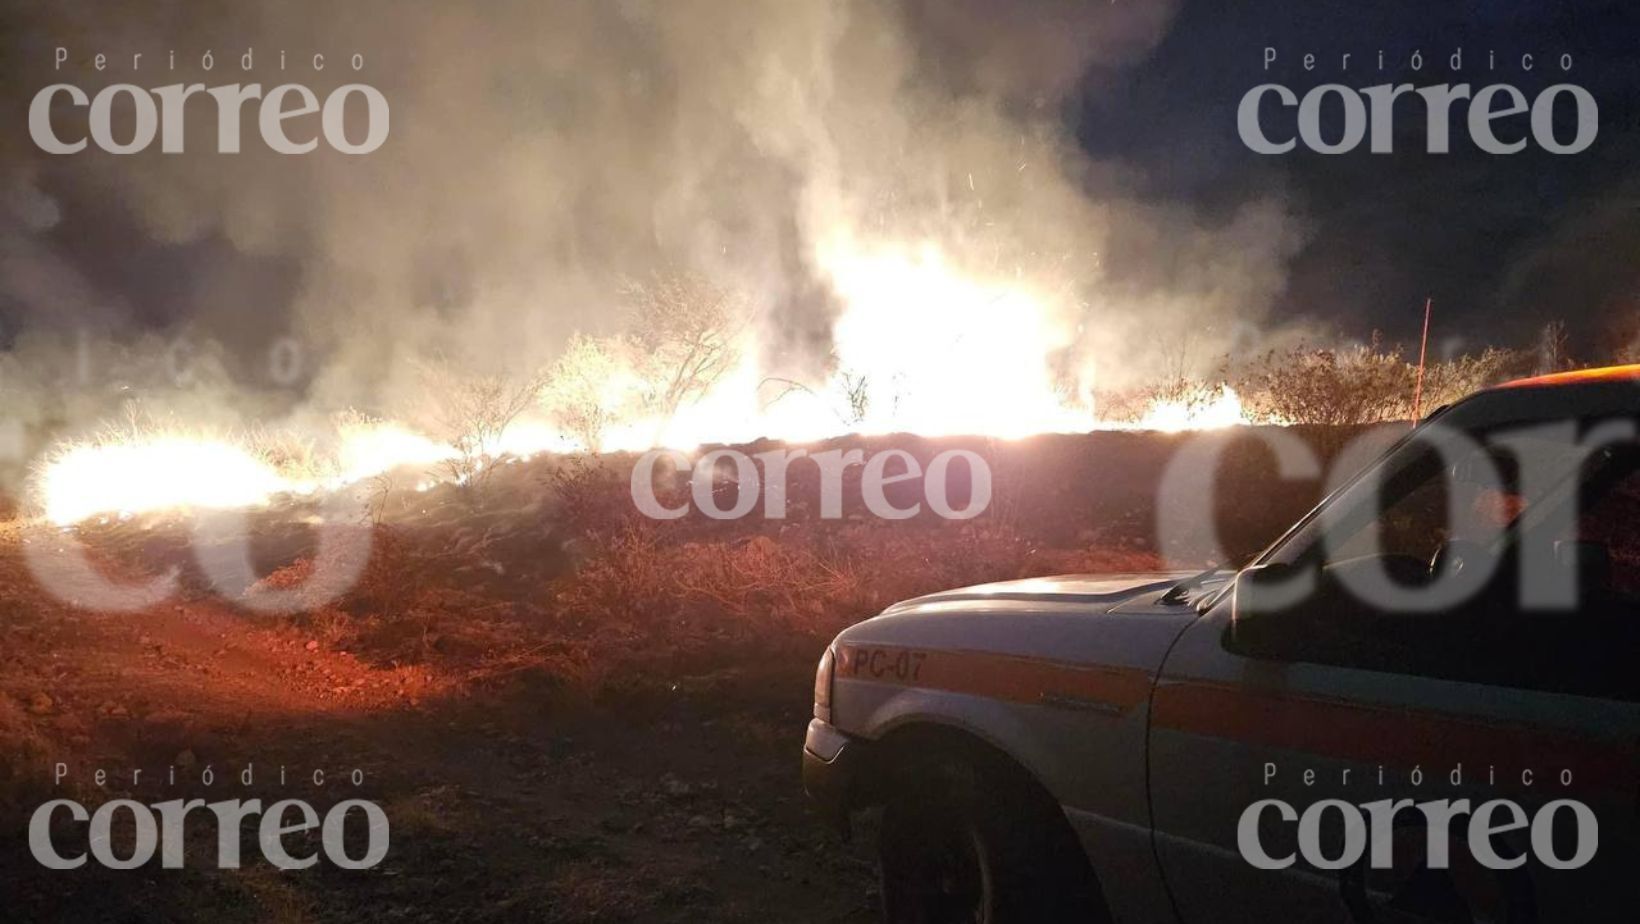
(681, 377)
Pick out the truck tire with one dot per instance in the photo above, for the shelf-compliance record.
(959, 844)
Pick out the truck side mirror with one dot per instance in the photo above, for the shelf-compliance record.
(1264, 604)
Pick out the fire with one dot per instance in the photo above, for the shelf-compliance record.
(941, 353)
(921, 346)
(374, 447)
(1225, 410)
(87, 479)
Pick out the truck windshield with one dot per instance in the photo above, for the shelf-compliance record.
(1452, 483)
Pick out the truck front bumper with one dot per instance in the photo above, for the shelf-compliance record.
(835, 773)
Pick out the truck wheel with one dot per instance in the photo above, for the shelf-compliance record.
(953, 848)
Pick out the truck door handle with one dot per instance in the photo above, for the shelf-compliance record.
(1080, 704)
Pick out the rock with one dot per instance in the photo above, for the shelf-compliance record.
(312, 645)
(40, 703)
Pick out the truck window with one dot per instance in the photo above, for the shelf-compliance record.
(1586, 504)
(1430, 501)
(1611, 520)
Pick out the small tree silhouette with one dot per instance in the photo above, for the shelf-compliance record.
(687, 329)
(472, 412)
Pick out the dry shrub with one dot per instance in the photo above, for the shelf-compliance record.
(287, 452)
(1362, 384)
(1131, 405)
(811, 580)
(593, 385)
(688, 327)
(1619, 343)
(1370, 383)
(472, 412)
(684, 333)
(321, 618)
(637, 586)
(593, 494)
(393, 588)
(395, 578)
(1453, 379)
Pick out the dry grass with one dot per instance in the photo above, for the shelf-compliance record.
(1370, 383)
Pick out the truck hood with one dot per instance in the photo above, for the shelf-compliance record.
(1089, 592)
(1105, 623)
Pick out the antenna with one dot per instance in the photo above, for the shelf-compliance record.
(1423, 348)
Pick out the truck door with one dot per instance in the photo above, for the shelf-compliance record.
(1255, 739)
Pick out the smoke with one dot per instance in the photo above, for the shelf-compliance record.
(542, 153)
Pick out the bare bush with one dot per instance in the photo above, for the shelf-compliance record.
(472, 412)
(847, 397)
(1132, 404)
(683, 336)
(1365, 384)
(289, 453)
(687, 328)
(381, 487)
(857, 393)
(592, 494)
(1554, 348)
(1452, 379)
(591, 387)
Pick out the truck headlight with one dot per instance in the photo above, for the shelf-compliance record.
(822, 686)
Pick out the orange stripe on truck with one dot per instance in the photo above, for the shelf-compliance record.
(1306, 724)
(1012, 678)
(1381, 734)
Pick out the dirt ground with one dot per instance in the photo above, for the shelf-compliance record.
(504, 804)
(566, 715)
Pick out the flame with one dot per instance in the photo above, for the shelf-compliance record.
(368, 449)
(158, 473)
(1225, 410)
(942, 353)
(921, 345)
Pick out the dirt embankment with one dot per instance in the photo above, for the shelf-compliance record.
(567, 711)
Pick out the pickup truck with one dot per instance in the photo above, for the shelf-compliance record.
(1421, 703)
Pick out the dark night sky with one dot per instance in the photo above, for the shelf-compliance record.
(1503, 243)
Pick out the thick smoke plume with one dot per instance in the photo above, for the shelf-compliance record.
(544, 155)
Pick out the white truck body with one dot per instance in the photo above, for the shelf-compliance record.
(1155, 735)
